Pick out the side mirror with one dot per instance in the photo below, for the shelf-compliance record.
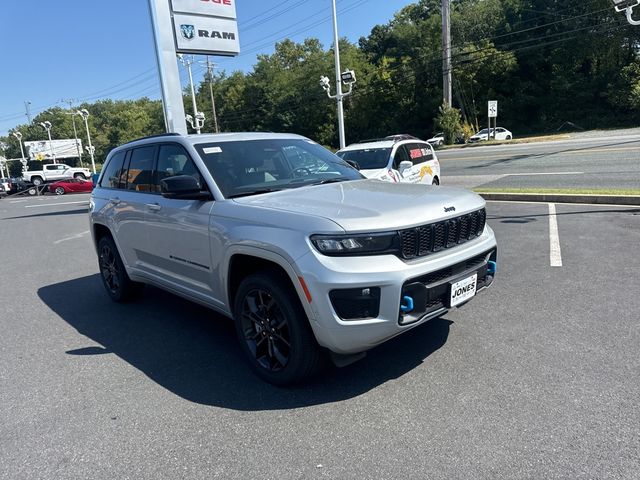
(183, 187)
(404, 165)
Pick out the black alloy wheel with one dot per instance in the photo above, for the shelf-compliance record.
(265, 330)
(273, 329)
(114, 276)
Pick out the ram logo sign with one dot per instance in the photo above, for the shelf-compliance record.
(188, 31)
(206, 35)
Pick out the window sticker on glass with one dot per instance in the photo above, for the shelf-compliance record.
(212, 150)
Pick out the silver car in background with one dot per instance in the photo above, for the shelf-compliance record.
(308, 257)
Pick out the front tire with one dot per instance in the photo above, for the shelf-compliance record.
(80, 175)
(37, 181)
(273, 329)
(114, 276)
(435, 181)
(59, 191)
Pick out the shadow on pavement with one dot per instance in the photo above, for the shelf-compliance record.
(193, 352)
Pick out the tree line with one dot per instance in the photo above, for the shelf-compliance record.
(551, 64)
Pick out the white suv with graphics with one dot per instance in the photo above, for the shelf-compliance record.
(272, 230)
(397, 158)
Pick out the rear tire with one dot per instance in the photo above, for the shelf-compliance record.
(508, 137)
(114, 276)
(37, 181)
(59, 191)
(435, 181)
(273, 329)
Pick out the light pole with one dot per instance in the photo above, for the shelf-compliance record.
(18, 136)
(3, 161)
(339, 95)
(75, 132)
(84, 113)
(198, 117)
(47, 126)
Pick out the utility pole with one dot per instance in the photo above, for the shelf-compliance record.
(210, 67)
(28, 110)
(75, 132)
(197, 121)
(446, 52)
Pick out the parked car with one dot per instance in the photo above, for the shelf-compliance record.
(3, 192)
(408, 160)
(71, 185)
(53, 172)
(306, 255)
(437, 140)
(499, 133)
(6, 184)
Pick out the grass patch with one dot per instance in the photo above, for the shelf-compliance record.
(566, 191)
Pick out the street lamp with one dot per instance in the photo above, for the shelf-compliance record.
(627, 6)
(47, 126)
(18, 136)
(348, 77)
(3, 161)
(84, 113)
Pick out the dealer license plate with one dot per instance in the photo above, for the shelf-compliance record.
(463, 290)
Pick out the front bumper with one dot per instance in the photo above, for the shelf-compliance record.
(392, 276)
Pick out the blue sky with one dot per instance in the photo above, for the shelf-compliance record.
(87, 50)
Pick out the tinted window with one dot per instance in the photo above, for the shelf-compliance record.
(400, 156)
(140, 173)
(174, 160)
(419, 153)
(255, 166)
(368, 158)
(113, 171)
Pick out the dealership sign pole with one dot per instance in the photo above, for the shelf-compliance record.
(206, 27)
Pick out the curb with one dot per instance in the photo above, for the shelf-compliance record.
(563, 198)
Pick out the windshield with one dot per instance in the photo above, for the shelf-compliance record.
(368, 158)
(484, 131)
(250, 167)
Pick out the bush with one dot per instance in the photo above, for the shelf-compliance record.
(449, 121)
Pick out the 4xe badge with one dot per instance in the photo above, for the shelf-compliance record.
(188, 31)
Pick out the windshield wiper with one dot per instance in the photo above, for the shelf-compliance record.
(254, 192)
(330, 180)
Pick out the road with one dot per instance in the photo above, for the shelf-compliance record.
(538, 377)
(595, 162)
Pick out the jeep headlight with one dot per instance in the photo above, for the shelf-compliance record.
(357, 244)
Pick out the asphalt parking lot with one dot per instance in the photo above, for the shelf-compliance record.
(538, 377)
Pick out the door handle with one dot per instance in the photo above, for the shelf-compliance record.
(154, 207)
(115, 201)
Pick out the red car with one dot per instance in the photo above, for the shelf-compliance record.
(70, 185)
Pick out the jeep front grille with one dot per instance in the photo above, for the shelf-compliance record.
(426, 239)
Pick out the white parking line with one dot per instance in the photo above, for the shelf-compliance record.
(54, 204)
(555, 256)
(17, 201)
(72, 237)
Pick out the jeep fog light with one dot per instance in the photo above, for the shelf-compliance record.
(360, 244)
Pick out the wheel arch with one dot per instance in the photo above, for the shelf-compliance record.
(242, 264)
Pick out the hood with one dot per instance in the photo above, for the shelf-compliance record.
(371, 205)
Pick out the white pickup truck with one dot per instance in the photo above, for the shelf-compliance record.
(54, 172)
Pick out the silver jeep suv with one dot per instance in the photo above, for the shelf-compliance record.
(274, 231)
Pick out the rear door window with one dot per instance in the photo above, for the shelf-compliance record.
(420, 153)
(140, 173)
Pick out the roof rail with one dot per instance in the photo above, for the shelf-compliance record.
(396, 138)
(169, 134)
